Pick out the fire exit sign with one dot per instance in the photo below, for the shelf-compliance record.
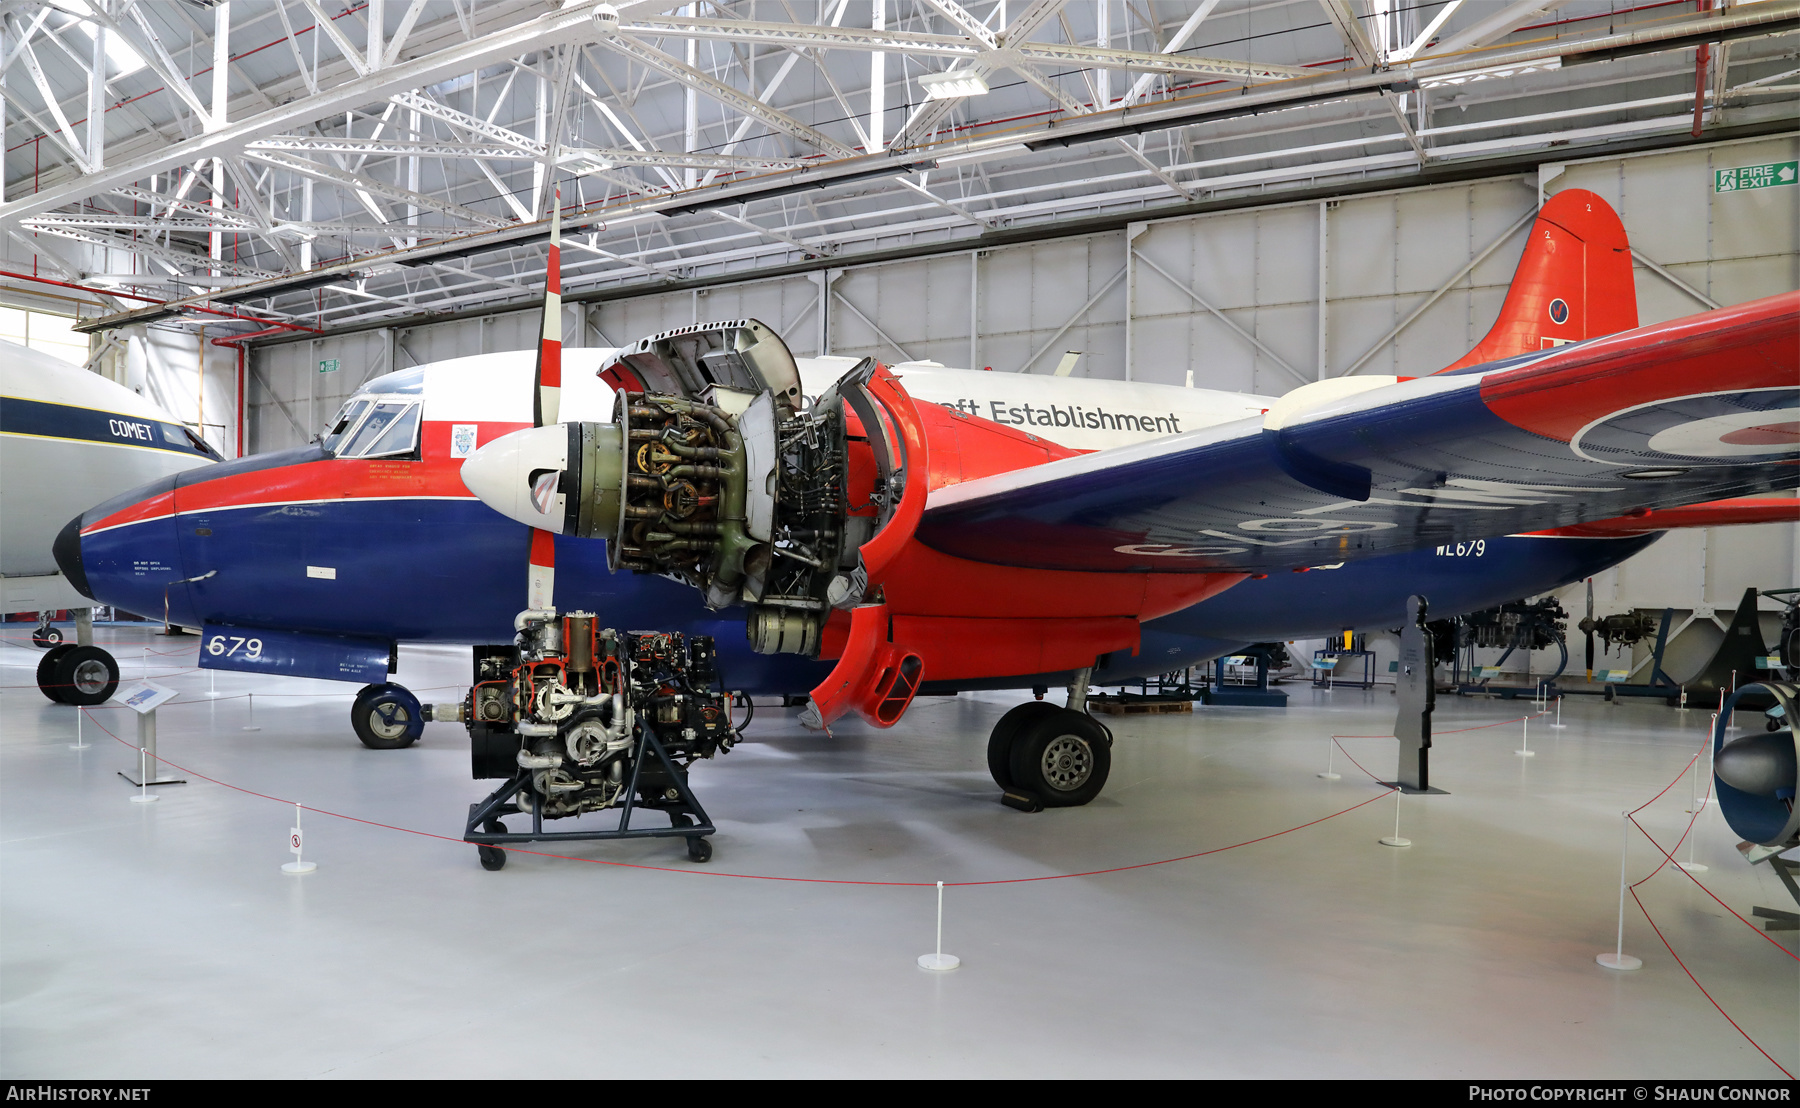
(329, 365)
(1755, 176)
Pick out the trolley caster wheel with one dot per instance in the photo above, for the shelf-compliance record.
(699, 850)
(492, 857)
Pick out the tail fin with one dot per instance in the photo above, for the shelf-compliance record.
(1573, 283)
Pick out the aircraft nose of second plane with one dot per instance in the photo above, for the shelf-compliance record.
(67, 552)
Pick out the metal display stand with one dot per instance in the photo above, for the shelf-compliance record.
(144, 699)
(1660, 684)
(1326, 677)
(686, 817)
(1233, 689)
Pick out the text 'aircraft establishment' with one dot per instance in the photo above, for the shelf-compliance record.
(860, 534)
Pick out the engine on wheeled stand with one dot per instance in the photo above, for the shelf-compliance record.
(581, 719)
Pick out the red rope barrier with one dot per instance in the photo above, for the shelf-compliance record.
(1702, 988)
(722, 873)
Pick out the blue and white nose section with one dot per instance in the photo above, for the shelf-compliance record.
(526, 476)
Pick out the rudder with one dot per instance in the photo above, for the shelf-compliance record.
(1574, 282)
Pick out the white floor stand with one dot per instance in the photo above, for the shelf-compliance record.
(938, 961)
(79, 743)
(250, 725)
(298, 865)
(1617, 959)
(1329, 753)
(1395, 839)
(1559, 723)
(144, 795)
(1525, 737)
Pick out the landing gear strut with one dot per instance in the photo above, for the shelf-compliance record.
(1043, 756)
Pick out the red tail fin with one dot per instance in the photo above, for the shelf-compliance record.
(1573, 283)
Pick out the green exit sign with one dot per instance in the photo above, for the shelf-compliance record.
(1746, 177)
(329, 365)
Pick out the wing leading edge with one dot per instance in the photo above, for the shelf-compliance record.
(1692, 410)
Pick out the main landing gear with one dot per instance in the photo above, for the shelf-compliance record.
(1043, 756)
(76, 673)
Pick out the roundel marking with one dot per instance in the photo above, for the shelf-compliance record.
(1720, 427)
(1559, 311)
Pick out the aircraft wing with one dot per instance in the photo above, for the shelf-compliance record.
(1696, 409)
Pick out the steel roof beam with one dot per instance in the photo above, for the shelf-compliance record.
(733, 98)
(569, 24)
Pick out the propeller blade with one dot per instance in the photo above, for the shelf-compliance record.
(1587, 626)
(547, 396)
(540, 579)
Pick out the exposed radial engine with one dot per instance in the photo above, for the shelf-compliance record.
(564, 712)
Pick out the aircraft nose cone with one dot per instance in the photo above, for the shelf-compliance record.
(67, 552)
(1762, 765)
(520, 476)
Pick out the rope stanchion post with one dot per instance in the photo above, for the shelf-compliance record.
(79, 743)
(939, 962)
(250, 720)
(1559, 725)
(1525, 750)
(1396, 839)
(212, 684)
(295, 842)
(1617, 959)
(1329, 751)
(144, 795)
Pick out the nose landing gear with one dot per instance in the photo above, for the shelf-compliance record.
(386, 717)
(1043, 756)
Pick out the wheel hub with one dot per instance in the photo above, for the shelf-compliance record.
(90, 677)
(388, 721)
(1067, 763)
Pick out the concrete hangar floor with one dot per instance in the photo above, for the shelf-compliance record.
(163, 940)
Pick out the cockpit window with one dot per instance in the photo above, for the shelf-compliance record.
(390, 427)
(352, 411)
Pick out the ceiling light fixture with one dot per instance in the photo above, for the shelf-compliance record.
(953, 84)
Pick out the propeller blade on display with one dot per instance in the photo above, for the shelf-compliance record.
(546, 406)
(1587, 627)
(546, 400)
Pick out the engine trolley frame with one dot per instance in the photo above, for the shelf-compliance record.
(683, 812)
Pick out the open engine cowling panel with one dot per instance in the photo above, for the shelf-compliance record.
(753, 497)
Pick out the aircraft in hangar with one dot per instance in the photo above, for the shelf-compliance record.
(866, 545)
(69, 439)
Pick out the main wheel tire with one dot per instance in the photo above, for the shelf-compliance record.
(46, 637)
(1006, 733)
(386, 717)
(46, 673)
(1063, 759)
(85, 676)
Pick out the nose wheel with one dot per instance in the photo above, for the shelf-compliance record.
(387, 717)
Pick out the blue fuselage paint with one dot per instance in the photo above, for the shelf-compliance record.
(453, 571)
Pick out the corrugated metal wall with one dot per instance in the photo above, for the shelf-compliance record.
(1233, 298)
